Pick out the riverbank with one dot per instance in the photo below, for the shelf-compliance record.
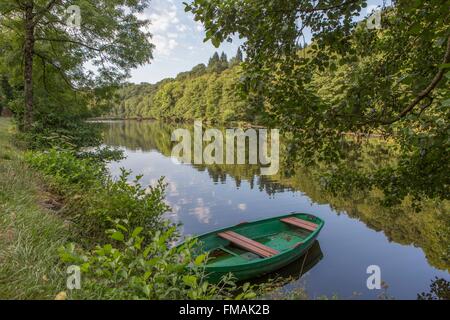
(60, 208)
(30, 229)
(239, 124)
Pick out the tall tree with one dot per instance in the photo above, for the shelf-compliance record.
(214, 60)
(46, 33)
(223, 57)
(238, 59)
(239, 56)
(223, 61)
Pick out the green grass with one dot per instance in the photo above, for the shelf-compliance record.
(29, 234)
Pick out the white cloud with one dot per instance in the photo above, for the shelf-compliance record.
(182, 28)
(179, 43)
(173, 189)
(163, 19)
(242, 206)
(202, 212)
(164, 45)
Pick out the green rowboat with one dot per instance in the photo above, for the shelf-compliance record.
(252, 249)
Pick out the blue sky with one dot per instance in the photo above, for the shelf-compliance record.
(179, 41)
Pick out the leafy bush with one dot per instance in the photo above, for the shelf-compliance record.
(66, 132)
(93, 198)
(120, 199)
(140, 265)
(66, 169)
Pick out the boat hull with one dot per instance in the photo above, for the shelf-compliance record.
(268, 228)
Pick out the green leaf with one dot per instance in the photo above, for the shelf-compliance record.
(187, 7)
(199, 260)
(190, 280)
(147, 275)
(121, 227)
(137, 231)
(446, 103)
(215, 42)
(118, 236)
(146, 290)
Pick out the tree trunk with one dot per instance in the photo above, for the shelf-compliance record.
(28, 68)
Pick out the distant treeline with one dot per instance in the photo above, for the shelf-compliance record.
(206, 92)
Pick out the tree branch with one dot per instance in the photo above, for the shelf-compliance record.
(315, 9)
(47, 8)
(424, 93)
(70, 41)
(58, 68)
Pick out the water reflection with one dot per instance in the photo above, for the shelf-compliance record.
(298, 268)
(439, 290)
(410, 248)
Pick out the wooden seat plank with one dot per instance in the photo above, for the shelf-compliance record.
(312, 224)
(299, 223)
(309, 223)
(248, 244)
(252, 242)
(245, 246)
(240, 238)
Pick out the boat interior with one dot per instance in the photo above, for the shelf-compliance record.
(255, 242)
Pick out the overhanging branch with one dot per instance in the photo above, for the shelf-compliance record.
(70, 41)
(424, 93)
(58, 68)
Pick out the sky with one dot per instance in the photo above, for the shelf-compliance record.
(179, 41)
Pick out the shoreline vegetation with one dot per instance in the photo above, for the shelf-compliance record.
(239, 124)
(61, 208)
(232, 124)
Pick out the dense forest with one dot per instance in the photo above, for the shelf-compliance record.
(206, 92)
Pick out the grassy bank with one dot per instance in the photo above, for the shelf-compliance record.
(30, 232)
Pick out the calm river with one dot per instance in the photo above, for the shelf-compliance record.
(411, 249)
